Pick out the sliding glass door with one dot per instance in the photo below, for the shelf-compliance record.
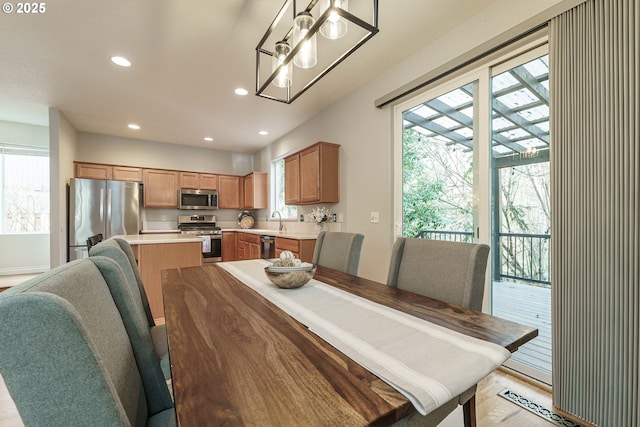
(472, 165)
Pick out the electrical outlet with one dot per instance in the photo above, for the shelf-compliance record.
(335, 217)
(375, 217)
(163, 217)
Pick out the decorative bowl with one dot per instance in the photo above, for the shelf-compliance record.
(290, 279)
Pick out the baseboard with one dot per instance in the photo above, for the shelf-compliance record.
(32, 269)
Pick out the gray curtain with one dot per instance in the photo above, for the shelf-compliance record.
(595, 179)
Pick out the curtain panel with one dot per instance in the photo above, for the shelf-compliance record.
(595, 181)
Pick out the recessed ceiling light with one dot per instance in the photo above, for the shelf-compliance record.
(121, 61)
(263, 132)
(134, 126)
(241, 91)
(208, 138)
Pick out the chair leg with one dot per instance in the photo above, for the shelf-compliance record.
(469, 411)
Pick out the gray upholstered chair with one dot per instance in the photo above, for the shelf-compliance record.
(338, 250)
(67, 359)
(452, 272)
(120, 251)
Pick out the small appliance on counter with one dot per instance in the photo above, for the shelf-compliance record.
(246, 220)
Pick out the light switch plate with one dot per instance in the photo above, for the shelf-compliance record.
(375, 217)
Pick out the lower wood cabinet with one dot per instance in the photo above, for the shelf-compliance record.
(248, 246)
(302, 249)
(153, 258)
(229, 246)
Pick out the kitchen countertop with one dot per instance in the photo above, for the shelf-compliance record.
(275, 233)
(154, 238)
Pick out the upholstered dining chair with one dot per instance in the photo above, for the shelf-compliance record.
(338, 250)
(67, 358)
(121, 253)
(452, 272)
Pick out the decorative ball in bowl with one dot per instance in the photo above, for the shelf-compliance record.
(290, 279)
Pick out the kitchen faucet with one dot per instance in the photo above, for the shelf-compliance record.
(273, 215)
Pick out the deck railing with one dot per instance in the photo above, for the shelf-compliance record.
(451, 236)
(523, 257)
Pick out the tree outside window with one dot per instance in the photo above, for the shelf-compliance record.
(24, 172)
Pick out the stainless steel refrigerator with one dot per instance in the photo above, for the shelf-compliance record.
(109, 208)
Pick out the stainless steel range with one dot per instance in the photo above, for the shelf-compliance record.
(204, 226)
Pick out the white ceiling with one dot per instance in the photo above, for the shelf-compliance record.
(188, 57)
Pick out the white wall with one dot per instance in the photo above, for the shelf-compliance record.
(365, 132)
(135, 152)
(24, 253)
(63, 143)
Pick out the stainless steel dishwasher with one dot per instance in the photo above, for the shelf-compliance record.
(267, 247)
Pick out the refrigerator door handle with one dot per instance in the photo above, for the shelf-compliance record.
(107, 223)
(102, 205)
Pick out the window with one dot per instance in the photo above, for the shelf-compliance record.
(277, 201)
(24, 179)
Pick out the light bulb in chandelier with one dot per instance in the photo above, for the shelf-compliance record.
(335, 27)
(285, 76)
(307, 56)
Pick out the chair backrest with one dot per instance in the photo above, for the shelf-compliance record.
(135, 323)
(452, 272)
(120, 251)
(93, 240)
(338, 250)
(65, 356)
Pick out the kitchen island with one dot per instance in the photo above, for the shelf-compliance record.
(157, 252)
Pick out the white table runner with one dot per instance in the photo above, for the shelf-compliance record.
(425, 362)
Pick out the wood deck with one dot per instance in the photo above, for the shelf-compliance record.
(529, 305)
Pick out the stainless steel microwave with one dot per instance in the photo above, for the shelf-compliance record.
(197, 199)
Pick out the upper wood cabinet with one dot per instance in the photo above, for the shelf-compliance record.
(160, 188)
(208, 181)
(198, 181)
(92, 171)
(292, 180)
(189, 180)
(100, 171)
(256, 191)
(127, 173)
(312, 175)
(230, 192)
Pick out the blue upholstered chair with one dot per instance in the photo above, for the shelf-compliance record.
(121, 253)
(452, 272)
(339, 251)
(67, 359)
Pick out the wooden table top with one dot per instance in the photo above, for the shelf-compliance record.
(236, 359)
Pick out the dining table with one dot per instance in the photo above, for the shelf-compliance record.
(339, 351)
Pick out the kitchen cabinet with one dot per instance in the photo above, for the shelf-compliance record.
(248, 246)
(230, 192)
(111, 172)
(127, 173)
(256, 190)
(198, 181)
(160, 188)
(302, 249)
(208, 181)
(92, 171)
(189, 180)
(229, 246)
(153, 258)
(312, 175)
